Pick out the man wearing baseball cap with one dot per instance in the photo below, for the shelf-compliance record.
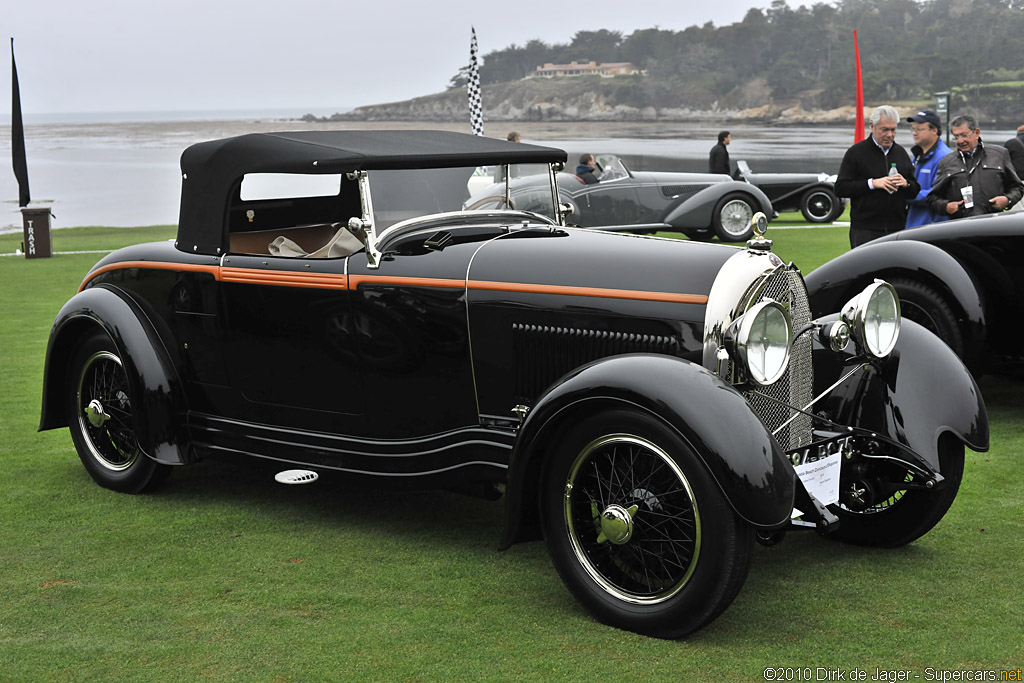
(927, 151)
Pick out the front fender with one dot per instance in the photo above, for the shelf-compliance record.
(830, 286)
(919, 393)
(696, 211)
(744, 459)
(160, 421)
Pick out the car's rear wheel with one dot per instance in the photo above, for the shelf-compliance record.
(637, 528)
(882, 507)
(820, 205)
(927, 307)
(701, 235)
(100, 409)
(732, 220)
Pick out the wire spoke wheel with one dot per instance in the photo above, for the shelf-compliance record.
(636, 527)
(733, 218)
(104, 414)
(886, 509)
(632, 519)
(101, 415)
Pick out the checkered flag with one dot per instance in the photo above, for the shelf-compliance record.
(476, 107)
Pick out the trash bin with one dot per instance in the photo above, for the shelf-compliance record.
(37, 232)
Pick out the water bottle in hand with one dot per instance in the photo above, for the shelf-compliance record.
(892, 172)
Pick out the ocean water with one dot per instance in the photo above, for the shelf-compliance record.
(121, 168)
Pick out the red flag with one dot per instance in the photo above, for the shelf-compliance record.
(858, 131)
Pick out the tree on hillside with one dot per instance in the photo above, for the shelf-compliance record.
(909, 49)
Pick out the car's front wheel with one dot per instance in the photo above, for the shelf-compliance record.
(100, 408)
(732, 220)
(820, 205)
(885, 507)
(637, 528)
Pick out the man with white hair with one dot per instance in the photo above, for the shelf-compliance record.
(878, 177)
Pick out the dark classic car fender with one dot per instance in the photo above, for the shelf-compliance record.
(745, 461)
(834, 283)
(922, 392)
(697, 210)
(160, 426)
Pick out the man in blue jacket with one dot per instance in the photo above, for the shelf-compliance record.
(927, 151)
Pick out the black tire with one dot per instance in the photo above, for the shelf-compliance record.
(907, 514)
(682, 556)
(100, 409)
(701, 235)
(927, 307)
(732, 219)
(820, 205)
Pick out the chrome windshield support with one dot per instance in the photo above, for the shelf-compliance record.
(508, 186)
(364, 224)
(559, 216)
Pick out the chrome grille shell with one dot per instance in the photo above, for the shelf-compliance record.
(747, 278)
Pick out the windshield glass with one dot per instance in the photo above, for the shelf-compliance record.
(409, 193)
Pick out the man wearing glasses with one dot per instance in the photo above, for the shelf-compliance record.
(877, 176)
(975, 179)
(928, 151)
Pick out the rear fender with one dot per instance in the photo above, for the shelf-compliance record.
(919, 393)
(696, 210)
(746, 462)
(160, 423)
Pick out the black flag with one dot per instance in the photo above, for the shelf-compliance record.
(18, 136)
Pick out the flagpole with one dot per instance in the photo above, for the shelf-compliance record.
(858, 131)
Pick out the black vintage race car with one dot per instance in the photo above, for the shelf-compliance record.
(812, 194)
(961, 279)
(649, 406)
(700, 205)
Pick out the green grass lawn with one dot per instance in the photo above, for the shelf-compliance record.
(225, 575)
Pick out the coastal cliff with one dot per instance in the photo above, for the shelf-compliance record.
(593, 99)
(632, 99)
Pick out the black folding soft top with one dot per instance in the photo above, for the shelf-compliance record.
(212, 171)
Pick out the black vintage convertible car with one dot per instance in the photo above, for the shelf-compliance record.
(648, 406)
(700, 205)
(812, 194)
(961, 279)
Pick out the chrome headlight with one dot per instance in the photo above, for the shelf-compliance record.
(874, 317)
(760, 342)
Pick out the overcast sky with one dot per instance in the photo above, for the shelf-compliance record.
(311, 55)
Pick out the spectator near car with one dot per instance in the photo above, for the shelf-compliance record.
(975, 179)
(718, 159)
(1015, 146)
(927, 151)
(585, 169)
(878, 200)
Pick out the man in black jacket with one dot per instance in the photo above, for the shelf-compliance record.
(718, 160)
(878, 177)
(977, 178)
(1015, 146)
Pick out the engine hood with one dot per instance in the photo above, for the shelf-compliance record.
(542, 302)
(602, 269)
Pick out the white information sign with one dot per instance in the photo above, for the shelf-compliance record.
(821, 479)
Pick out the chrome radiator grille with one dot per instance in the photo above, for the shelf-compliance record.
(797, 386)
